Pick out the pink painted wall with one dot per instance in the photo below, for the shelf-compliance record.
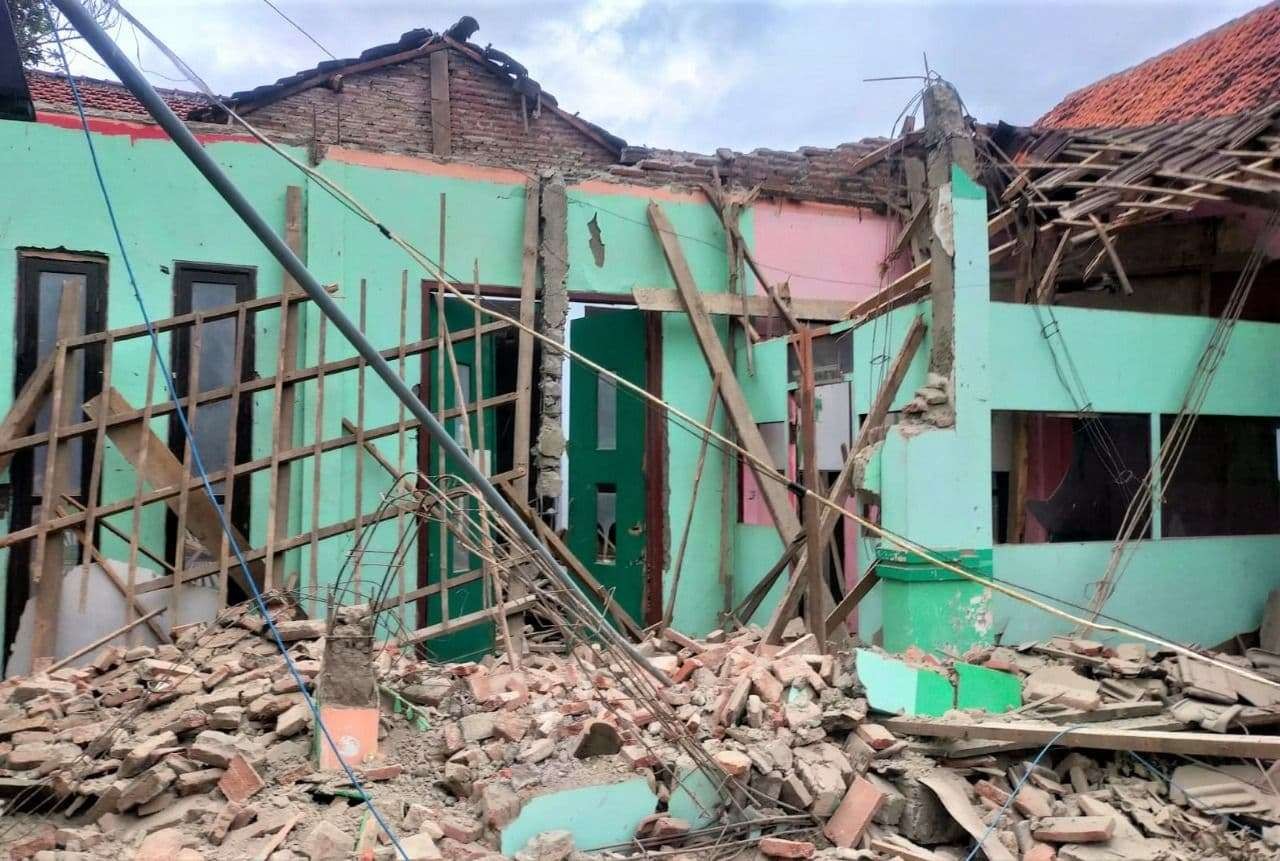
(827, 251)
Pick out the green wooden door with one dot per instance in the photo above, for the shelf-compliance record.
(444, 553)
(606, 455)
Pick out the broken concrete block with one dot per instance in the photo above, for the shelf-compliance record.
(498, 804)
(145, 787)
(327, 842)
(301, 629)
(548, 846)
(989, 690)
(476, 727)
(1074, 829)
(735, 764)
(536, 751)
(419, 847)
(895, 687)
(1062, 686)
(595, 815)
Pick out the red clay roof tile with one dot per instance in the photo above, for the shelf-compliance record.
(1230, 69)
(103, 95)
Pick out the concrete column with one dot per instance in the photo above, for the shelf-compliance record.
(936, 481)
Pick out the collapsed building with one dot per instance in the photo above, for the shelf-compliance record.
(980, 396)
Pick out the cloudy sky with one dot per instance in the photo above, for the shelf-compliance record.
(697, 75)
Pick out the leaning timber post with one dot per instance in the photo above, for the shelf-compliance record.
(935, 466)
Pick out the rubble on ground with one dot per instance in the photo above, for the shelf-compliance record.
(205, 749)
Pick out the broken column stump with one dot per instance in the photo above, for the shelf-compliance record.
(347, 692)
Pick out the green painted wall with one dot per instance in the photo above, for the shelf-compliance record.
(935, 486)
(1201, 590)
(1130, 362)
(166, 213)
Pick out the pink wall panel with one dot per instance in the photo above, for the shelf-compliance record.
(827, 251)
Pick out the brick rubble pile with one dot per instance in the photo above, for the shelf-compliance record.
(203, 749)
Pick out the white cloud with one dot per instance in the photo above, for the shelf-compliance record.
(640, 69)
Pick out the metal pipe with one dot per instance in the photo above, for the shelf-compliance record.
(141, 88)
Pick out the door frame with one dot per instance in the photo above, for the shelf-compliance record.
(245, 280)
(30, 263)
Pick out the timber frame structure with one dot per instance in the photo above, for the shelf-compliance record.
(901, 330)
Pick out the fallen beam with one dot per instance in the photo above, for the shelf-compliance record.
(1094, 738)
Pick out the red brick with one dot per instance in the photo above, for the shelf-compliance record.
(240, 781)
(776, 847)
(860, 804)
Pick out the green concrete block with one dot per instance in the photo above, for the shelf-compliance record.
(932, 608)
(895, 687)
(596, 815)
(990, 690)
(695, 798)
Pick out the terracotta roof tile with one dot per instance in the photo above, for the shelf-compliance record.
(103, 95)
(1230, 69)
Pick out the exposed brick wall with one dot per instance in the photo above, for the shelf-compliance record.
(389, 110)
(811, 173)
(487, 127)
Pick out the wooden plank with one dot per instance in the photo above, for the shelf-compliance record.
(280, 439)
(442, 555)
(233, 426)
(317, 450)
(1110, 248)
(458, 623)
(151, 457)
(1093, 738)
(184, 494)
(47, 563)
(908, 284)
(1049, 280)
(815, 569)
(242, 469)
(139, 482)
(772, 484)
(847, 604)
(117, 532)
(524, 349)
(247, 387)
(402, 435)
(441, 111)
(731, 305)
(26, 406)
(358, 568)
(286, 399)
(876, 414)
(90, 506)
(562, 552)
